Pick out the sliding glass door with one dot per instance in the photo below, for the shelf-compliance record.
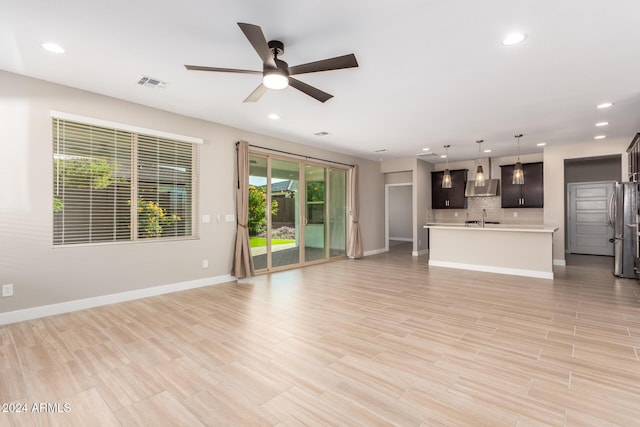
(257, 223)
(337, 212)
(315, 224)
(284, 226)
(297, 212)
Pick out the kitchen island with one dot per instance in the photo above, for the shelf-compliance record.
(507, 249)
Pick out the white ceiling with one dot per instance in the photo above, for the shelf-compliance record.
(431, 72)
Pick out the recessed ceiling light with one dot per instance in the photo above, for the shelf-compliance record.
(600, 124)
(425, 149)
(605, 105)
(488, 150)
(541, 144)
(53, 47)
(273, 116)
(513, 39)
(600, 137)
(443, 156)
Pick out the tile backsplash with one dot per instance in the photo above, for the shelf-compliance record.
(529, 216)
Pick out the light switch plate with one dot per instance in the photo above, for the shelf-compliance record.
(206, 219)
(230, 218)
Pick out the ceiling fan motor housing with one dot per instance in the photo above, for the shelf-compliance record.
(276, 47)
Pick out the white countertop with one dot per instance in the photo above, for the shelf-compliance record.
(493, 227)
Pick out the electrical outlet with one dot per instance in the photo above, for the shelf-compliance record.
(205, 263)
(455, 214)
(206, 219)
(515, 214)
(7, 290)
(229, 218)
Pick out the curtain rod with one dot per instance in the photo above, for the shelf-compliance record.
(298, 155)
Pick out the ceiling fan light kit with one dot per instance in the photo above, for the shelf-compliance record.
(275, 80)
(276, 73)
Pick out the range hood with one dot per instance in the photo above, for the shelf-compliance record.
(491, 188)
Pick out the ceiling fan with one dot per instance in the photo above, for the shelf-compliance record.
(276, 74)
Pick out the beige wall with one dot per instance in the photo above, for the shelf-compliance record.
(398, 177)
(554, 186)
(398, 165)
(45, 275)
(422, 204)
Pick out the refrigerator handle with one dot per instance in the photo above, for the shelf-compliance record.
(611, 211)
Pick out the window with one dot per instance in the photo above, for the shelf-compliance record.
(120, 185)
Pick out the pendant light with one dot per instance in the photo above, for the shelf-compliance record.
(446, 178)
(479, 182)
(518, 173)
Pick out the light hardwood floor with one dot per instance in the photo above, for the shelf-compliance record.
(385, 340)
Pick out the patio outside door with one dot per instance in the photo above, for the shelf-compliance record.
(297, 212)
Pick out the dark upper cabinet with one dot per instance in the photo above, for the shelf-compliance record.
(449, 198)
(528, 195)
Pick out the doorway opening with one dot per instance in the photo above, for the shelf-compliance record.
(586, 239)
(399, 217)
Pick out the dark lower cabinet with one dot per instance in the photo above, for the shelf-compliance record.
(449, 198)
(528, 195)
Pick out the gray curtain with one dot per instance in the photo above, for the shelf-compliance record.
(242, 262)
(354, 240)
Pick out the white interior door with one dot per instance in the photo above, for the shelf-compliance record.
(589, 229)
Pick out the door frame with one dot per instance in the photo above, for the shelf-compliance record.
(302, 209)
(569, 210)
(386, 210)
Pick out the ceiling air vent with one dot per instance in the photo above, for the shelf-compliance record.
(427, 154)
(323, 133)
(151, 82)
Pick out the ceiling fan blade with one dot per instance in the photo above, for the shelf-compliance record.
(310, 90)
(256, 94)
(256, 37)
(224, 70)
(337, 63)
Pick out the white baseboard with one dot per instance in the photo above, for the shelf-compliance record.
(560, 262)
(420, 252)
(375, 252)
(82, 304)
(491, 269)
(402, 239)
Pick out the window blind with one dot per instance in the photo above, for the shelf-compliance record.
(115, 185)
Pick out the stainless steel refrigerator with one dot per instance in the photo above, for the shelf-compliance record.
(623, 217)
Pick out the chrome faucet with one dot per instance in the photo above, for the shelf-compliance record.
(484, 216)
